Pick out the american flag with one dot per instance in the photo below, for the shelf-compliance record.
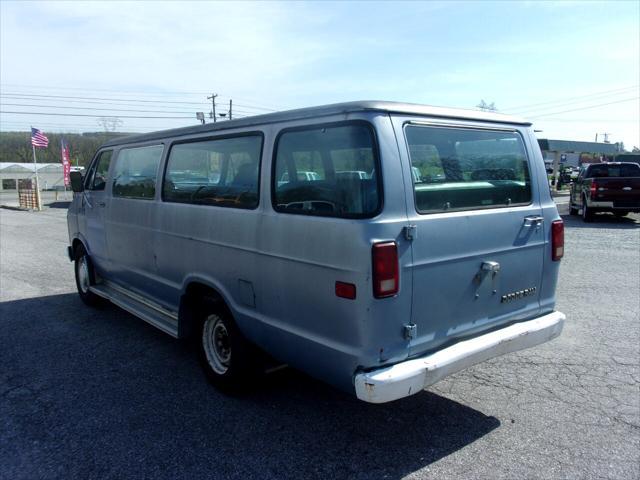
(38, 139)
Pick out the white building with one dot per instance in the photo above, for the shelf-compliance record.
(49, 174)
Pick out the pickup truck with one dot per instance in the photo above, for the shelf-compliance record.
(606, 187)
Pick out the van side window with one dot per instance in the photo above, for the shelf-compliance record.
(98, 175)
(466, 169)
(136, 171)
(223, 172)
(327, 170)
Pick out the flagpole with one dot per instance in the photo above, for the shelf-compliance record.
(35, 169)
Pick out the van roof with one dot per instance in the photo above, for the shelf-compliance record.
(324, 110)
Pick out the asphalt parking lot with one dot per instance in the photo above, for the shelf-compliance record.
(99, 394)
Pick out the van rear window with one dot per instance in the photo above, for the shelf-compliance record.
(327, 170)
(222, 172)
(466, 169)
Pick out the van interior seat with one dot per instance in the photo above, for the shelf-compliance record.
(246, 177)
(349, 195)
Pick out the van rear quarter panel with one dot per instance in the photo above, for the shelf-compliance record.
(297, 317)
(551, 269)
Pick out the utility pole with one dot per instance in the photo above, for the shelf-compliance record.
(213, 105)
(230, 109)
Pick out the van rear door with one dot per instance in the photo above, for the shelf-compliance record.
(478, 248)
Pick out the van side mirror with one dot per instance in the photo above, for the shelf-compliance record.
(76, 181)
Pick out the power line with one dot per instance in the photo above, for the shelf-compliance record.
(595, 94)
(107, 109)
(138, 93)
(101, 98)
(92, 108)
(540, 110)
(31, 98)
(585, 108)
(128, 100)
(94, 116)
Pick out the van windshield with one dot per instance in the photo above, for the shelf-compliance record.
(467, 169)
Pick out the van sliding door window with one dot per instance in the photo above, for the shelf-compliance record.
(136, 171)
(467, 169)
(222, 172)
(327, 170)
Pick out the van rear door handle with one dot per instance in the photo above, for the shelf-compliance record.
(531, 220)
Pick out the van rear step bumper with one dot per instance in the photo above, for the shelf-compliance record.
(412, 376)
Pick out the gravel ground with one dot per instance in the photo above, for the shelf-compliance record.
(99, 394)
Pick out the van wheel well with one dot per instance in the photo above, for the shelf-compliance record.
(76, 244)
(192, 303)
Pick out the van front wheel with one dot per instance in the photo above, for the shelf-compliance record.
(230, 361)
(85, 277)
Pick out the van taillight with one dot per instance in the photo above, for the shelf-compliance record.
(593, 189)
(557, 240)
(386, 277)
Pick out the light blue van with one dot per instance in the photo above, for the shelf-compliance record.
(376, 246)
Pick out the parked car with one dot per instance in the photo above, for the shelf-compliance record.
(606, 187)
(375, 284)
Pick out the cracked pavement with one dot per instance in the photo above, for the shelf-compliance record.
(99, 394)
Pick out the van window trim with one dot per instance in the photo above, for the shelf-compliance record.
(313, 126)
(172, 143)
(134, 147)
(458, 126)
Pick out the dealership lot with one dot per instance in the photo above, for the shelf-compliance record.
(97, 393)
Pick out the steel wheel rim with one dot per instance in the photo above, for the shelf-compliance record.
(217, 344)
(83, 274)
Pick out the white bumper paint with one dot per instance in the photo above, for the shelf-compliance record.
(412, 376)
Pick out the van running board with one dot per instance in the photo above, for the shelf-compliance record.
(150, 312)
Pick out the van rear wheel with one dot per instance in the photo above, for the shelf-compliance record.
(230, 361)
(85, 277)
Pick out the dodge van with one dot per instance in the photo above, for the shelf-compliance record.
(248, 236)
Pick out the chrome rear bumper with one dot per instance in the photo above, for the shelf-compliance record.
(412, 376)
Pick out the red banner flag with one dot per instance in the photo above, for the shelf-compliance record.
(66, 163)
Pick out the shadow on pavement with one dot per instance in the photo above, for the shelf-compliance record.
(99, 393)
(602, 220)
(61, 204)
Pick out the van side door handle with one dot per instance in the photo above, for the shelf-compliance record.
(101, 204)
(532, 220)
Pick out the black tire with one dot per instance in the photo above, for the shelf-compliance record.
(587, 213)
(230, 361)
(85, 276)
(620, 214)
(572, 210)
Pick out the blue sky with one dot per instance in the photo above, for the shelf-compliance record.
(567, 56)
